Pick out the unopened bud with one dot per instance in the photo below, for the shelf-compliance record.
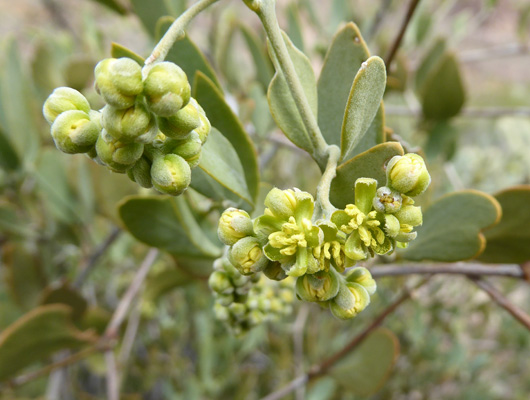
(166, 89)
(118, 156)
(133, 124)
(140, 173)
(171, 174)
(64, 99)
(220, 283)
(74, 132)
(234, 224)
(408, 174)
(119, 81)
(321, 286)
(350, 301)
(247, 256)
(179, 125)
(189, 148)
(364, 278)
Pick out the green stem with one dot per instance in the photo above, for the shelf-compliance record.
(176, 31)
(325, 182)
(265, 9)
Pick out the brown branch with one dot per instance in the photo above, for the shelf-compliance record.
(397, 41)
(92, 260)
(501, 300)
(507, 270)
(322, 368)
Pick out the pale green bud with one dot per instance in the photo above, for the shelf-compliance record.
(350, 301)
(321, 286)
(387, 201)
(133, 124)
(410, 215)
(64, 99)
(281, 203)
(234, 224)
(237, 310)
(205, 126)
(140, 173)
(221, 312)
(408, 174)
(171, 174)
(256, 317)
(220, 283)
(247, 256)
(391, 225)
(179, 125)
(224, 299)
(364, 278)
(119, 81)
(118, 156)
(74, 132)
(96, 117)
(189, 148)
(166, 89)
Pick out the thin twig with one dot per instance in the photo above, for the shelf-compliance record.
(132, 291)
(92, 260)
(298, 339)
(508, 270)
(397, 41)
(499, 298)
(128, 338)
(323, 367)
(483, 112)
(113, 389)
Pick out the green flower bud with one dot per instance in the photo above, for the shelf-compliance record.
(189, 148)
(166, 89)
(118, 156)
(350, 301)
(256, 317)
(179, 125)
(274, 271)
(391, 225)
(119, 81)
(204, 128)
(225, 299)
(387, 201)
(364, 278)
(171, 174)
(219, 282)
(95, 117)
(247, 256)
(74, 132)
(234, 224)
(221, 312)
(64, 99)
(134, 124)
(237, 310)
(408, 174)
(141, 173)
(410, 215)
(281, 203)
(321, 286)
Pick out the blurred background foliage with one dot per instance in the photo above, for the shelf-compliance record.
(458, 88)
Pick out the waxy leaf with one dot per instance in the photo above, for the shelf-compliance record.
(281, 103)
(187, 55)
(264, 70)
(65, 294)
(375, 357)
(430, 60)
(364, 101)
(452, 227)
(167, 223)
(344, 58)
(118, 51)
(221, 162)
(370, 164)
(223, 118)
(150, 12)
(113, 5)
(443, 93)
(38, 335)
(509, 240)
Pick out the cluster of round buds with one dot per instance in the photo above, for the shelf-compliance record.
(286, 241)
(151, 128)
(243, 302)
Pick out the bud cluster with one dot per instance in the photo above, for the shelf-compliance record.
(151, 128)
(286, 241)
(244, 302)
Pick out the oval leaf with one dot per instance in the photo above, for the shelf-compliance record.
(452, 227)
(281, 103)
(370, 164)
(365, 98)
(373, 360)
(149, 12)
(65, 294)
(509, 240)
(223, 118)
(345, 55)
(442, 93)
(118, 51)
(36, 336)
(167, 223)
